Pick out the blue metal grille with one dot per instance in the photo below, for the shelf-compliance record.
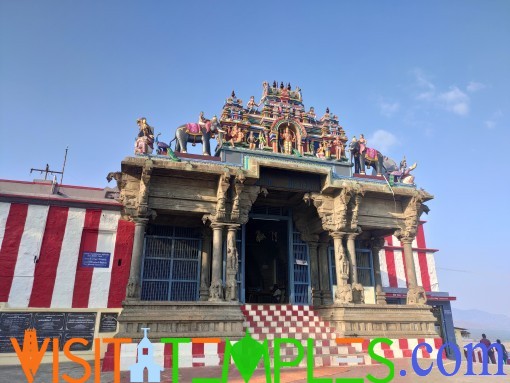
(171, 264)
(301, 270)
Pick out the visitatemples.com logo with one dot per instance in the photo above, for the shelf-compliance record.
(246, 354)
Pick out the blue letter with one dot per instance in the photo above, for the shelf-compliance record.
(414, 359)
(458, 359)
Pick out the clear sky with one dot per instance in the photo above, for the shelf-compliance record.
(425, 79)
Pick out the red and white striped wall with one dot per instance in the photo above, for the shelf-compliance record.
(41, 250)
(393, 265)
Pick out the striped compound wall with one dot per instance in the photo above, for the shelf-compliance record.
(279, 321)
(41, 250)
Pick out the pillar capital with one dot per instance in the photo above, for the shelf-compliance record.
(338, 234)
(352, 236)
(217, 225)
(140, 221)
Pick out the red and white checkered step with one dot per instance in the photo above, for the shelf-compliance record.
(301, 323)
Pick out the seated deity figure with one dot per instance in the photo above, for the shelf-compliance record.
(202, 120)
(145, 139)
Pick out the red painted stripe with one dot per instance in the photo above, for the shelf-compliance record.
(14, 227)
(420, 237)
(83, 277)
(390, 263)
(46, 267)
(121, 263)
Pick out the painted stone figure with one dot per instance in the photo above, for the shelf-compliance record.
(369, 157)
(288, 141)
(145, 141)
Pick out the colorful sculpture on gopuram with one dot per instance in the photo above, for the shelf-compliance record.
(280, 123)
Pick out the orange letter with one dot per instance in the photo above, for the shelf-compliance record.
(30, 358)
(116, 355)
(74, 358)
(55, 360)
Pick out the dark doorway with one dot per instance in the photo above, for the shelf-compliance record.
(266, 257)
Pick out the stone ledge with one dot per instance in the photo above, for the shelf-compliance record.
(369, 320)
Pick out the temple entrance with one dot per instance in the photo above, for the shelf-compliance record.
(267, 260)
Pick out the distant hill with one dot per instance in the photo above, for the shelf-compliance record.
(496, 326)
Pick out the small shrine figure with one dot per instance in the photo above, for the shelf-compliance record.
(262, 140)
(339, 148)
(276, 111)
(252, 141)
(311, 115)
(299, 97)
(265, 91)
(145, 140)
(326, 116)
(321, 151)
(362, 143)
(252, 105)
(236, 135)
(327, 149)
(288, 141)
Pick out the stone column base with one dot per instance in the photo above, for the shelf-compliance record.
(181, 319)
(372, 320)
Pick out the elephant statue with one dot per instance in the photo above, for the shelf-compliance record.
(196, 133)
(369, 157)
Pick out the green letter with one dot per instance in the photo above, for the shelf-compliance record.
(175, 355)
(278, 363)
(310, 364)
(382, 360)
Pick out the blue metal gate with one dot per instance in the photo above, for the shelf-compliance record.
(171, 264)
(300, 269)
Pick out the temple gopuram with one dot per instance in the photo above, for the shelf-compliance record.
(276, 229)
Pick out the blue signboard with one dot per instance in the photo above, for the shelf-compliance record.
(91, 259)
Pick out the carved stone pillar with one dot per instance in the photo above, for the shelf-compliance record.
(415, 294)
(205, 271)
(325, 285)
(314, 272)
(343, 292)
(377, 244)
(216, 289)
(351, 250)
(412, 280)
(134, 283)
(231, 292)
(358, 292)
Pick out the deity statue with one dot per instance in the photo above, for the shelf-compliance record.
(252, 105)
(311, 115)
(145, 139)
(362, 143)
(288, 141)
(252, 141)
(339, 148)
(326, 116)
(262, 140)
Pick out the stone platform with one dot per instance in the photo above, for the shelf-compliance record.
(180, 320)
(372, 320)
